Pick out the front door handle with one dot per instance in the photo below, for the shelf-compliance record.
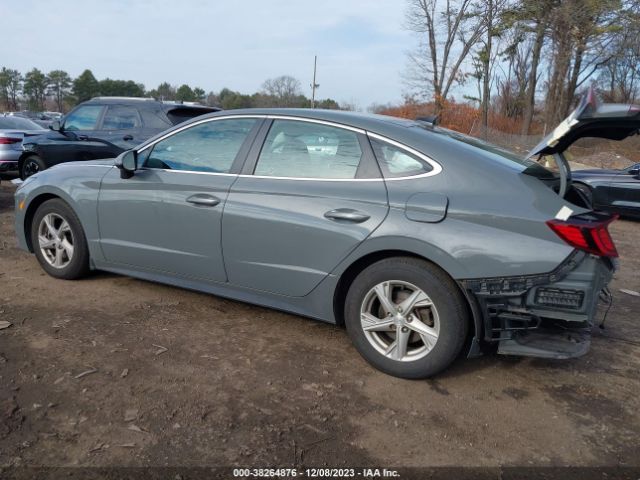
(203, 200)
(347, 215)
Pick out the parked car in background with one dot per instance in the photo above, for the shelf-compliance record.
(616, 191)
(102, 128)
(52, 115)
(13, 131)
(37, 117)
(422, 241)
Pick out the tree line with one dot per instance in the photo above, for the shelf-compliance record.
(38, 91)
(526, 60)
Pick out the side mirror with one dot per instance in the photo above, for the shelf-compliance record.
(127, 162)
(55, 126)
(635, 169)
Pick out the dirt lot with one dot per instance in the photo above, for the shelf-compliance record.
(248, 386)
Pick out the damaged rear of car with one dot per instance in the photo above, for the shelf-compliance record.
(418, 239)
(551, 315)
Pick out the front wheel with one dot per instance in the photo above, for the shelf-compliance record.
(31, 166)
(406, 317)
(59, 241)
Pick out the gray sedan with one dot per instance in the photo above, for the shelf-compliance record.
(424, 243)
(13, 130)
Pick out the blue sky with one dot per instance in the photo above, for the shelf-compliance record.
(361, 44)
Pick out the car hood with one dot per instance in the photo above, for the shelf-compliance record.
(107, 162)
(591, 119)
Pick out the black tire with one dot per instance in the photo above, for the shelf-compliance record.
(78, 264)
(446, 297)
(31, 165)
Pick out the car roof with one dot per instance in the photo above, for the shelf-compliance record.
(421, 136)
(148, 102)
(120, 100)
(365, 121)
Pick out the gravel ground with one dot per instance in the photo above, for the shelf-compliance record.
(112, 371)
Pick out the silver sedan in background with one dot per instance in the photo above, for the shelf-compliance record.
(13, 129)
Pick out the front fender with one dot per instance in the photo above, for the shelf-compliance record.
(79, 190)
(28, 198)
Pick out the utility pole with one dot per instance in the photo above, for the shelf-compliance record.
(314, 85)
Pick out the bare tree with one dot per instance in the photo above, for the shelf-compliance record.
(494, 27)
(580, 31)
(448, 29)
(285, 89)
(533, 16)
(620, 75)
(513, 84)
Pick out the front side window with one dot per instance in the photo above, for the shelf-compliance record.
(397, 162)
(119, 117)
(208, 147)
(309, 150)
(83, 118)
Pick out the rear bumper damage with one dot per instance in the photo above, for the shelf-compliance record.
(548, 315)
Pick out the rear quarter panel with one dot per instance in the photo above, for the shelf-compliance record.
(495, 220)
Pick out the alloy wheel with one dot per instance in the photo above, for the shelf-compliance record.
(400, 320)
(55, 240)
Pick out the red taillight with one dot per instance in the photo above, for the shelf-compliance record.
(9, 140)
(588, 235)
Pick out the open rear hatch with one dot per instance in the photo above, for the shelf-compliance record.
(610, 121)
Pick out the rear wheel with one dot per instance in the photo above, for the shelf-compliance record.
(406, 317)
(59, 242)
(31, 166)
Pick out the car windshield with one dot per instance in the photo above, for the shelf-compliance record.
(499, 154)
(18, 123)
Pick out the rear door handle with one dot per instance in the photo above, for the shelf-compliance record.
(203, 200)
(127, 138)
(347, 215)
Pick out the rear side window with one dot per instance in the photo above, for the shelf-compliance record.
(119, 117)
(208, 147)
(83, 118)
(396, 162)
(155, 119)
(179, 115)
(309, 150)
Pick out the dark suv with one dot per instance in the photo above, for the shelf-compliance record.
(103, 127)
